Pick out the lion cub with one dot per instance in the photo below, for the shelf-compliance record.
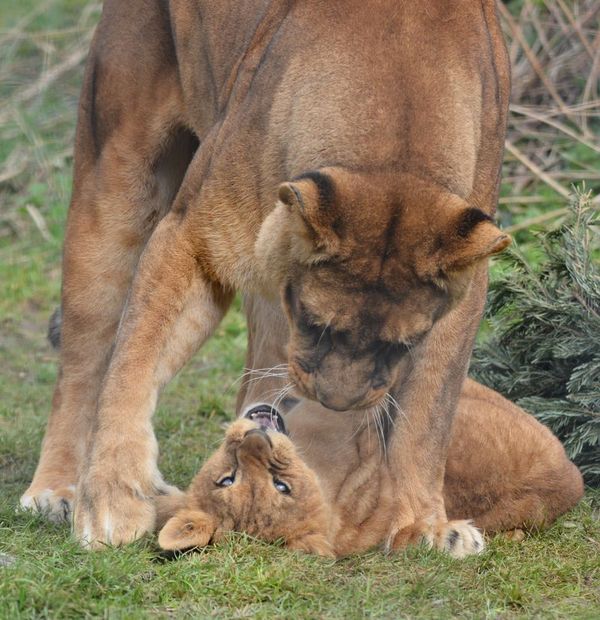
(254, 483)
(257, 483)
(326, 488)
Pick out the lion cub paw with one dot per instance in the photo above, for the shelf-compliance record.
(54, 504)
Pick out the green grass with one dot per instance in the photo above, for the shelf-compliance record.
(43, 573)
(551, 574)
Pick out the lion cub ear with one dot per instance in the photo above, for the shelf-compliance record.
(311, 198)
(472, 236)
(187, 529)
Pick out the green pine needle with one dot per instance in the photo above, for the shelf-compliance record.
(544, 347)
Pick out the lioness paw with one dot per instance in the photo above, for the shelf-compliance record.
(458, 538)
(113, 524)
(112, 512)
(54, 504)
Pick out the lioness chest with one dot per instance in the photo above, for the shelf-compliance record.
(349, 459)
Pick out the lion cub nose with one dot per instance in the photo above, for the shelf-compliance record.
(256, 446)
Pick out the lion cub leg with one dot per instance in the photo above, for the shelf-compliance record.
(505, 469)
(171, 311)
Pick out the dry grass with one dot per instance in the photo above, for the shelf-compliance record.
(42, 54)
(554, 137)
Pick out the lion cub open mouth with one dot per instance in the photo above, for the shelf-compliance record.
(267, 417)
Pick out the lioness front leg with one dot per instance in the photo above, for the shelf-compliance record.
(419, 443)
(172, 309)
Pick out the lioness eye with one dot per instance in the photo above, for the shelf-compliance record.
(226, 482)
(282, 487)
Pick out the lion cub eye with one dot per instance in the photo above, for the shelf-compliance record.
(226, 482)
(282, 487)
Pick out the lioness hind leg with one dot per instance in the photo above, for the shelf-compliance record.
(130, 158)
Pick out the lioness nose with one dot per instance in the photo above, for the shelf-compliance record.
(338, 399)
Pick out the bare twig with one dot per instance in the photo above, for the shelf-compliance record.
(506, 200)
(592, 81)
(537, 171)
(531, 113)
(39, 221)
(48, 77)
(538, 219)
(576, 27)
(518, 33)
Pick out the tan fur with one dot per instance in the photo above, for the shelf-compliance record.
(341, 156)
(505, 471)
(252, 504)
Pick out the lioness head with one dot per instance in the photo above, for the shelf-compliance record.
(254, 483)
(367, 263)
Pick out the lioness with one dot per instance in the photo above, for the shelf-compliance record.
(341, 156)
(505, 470)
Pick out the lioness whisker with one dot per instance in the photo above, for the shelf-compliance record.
(369, 426)
(265, 373)
(262, 378)
(359, 427)
(285, 390)
(390, 402)
(252, 371)
(278, 371)
(380, 432)
(410, 348)
(327, 325)
(249, 371)
(397, 408)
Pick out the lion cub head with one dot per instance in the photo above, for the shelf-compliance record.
(254, 483)
(366, 264)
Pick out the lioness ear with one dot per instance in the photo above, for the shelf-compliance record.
(312, 198)
(187, 529)
(472, 237)
(316, 544)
